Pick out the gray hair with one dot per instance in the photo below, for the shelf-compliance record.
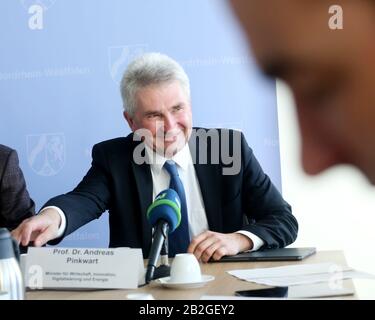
(146, 69)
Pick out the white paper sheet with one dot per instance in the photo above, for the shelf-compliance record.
(299, 274)
(314, 278)
(285, 271)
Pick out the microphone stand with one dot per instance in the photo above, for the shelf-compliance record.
(164, 269)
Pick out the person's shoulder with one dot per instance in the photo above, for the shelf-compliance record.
(7, 155)
(5, 149)
(116, 144)
(8, 159)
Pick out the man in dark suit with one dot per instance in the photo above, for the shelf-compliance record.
(15, 202)
(231, 204)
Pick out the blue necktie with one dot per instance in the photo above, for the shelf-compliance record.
(179, 239)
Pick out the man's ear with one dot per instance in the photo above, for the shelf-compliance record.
(129, 120)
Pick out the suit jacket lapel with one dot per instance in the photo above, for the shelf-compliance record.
(209, 177)
(143, 179)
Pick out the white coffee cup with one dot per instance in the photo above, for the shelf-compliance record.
(185, 269)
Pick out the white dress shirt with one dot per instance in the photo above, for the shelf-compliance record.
(195, 206)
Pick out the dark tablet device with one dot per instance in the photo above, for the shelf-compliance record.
(284, 254)
(274, 292)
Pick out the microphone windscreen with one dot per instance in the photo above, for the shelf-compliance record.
(167, 206)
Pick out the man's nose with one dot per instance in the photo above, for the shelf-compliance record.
(169, 122)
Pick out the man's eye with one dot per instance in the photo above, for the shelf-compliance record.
(153, 116)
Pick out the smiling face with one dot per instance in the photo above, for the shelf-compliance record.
(164, 110)
(331, 74)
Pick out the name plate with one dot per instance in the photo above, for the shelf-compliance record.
(83, 268)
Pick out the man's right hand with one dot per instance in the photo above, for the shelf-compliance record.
(40, 228)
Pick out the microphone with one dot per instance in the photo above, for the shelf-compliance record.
(164, 214)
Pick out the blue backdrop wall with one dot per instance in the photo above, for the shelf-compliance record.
(61, 62)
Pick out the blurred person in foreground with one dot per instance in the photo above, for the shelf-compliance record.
(325, 52)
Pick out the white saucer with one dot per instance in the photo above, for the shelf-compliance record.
(165, 282)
